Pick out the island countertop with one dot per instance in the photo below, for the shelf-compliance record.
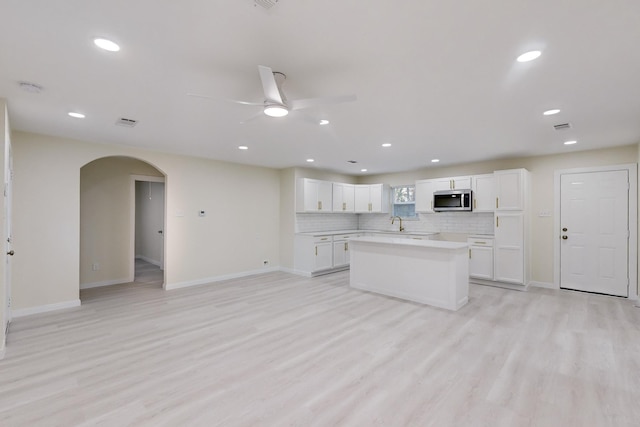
(385, 240)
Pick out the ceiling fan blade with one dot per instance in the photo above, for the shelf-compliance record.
(199, 95)
(269, 85)
(299, 104)
(252, 118)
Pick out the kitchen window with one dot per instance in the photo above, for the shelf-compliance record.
(404, 201)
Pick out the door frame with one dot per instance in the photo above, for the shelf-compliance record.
(132, 216)
(632, 254)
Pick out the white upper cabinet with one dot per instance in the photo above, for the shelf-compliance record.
(313, 195)
(371, 198)
(509, 189)
(343, 197)
(426, 187)
(483, 193)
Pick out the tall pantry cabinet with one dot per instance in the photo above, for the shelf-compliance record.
(512, 226)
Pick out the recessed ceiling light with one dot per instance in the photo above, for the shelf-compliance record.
(324, 122)
(76, 115)
(310, 160)
(386, 144)
(551, 112)
(570, 142)
(435, 160)
(275, 111)
(363, 170)
(106, 45)
(529, 56)
(243, 147)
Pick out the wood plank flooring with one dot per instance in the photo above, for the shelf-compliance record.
(282, 350)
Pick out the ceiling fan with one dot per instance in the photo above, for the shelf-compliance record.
(275, 102)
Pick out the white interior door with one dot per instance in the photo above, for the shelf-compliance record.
(8, 196)
(594, 232)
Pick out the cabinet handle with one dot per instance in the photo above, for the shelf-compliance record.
(325, 238)
(452, 185)
(496, 203)
(344, 206)
(469, 253)
(319, 206)
(346, 246)
(316, 251)
(474, 204)
(497, 222)
(479, 243)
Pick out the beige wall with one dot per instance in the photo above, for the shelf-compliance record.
(241, 228)
(105, 218)
(542, 170)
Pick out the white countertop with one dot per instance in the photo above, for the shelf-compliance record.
(439, 244)
(382, 232)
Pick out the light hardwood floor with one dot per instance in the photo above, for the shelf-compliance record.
(280, 350)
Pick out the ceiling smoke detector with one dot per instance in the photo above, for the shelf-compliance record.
(126, 122)
(267, 4)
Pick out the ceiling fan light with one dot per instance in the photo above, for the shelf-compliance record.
(276, 111)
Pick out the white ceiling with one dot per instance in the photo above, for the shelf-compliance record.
(434, 78)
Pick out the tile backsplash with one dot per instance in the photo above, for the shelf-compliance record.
(308, 222)
(443, 222)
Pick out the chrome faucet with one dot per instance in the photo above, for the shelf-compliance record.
(394, 218)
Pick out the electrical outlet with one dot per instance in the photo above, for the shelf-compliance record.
(265, 262)
(95, 266)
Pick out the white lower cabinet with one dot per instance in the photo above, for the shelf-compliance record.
(321, 254)
(341, 249)
(509, 247)
(481, 258)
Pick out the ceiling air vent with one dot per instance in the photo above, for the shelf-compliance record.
(267, 4)
(562, 126)
(129, 123)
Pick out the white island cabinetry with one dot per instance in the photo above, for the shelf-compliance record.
(426, 271)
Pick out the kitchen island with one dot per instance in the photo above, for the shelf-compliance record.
(430, 272)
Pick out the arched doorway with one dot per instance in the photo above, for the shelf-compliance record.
(108, 218)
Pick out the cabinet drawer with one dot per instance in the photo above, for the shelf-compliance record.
(323, 239)
(480, 241)
(341, 237)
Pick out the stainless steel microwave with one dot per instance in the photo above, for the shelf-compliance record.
(452, 200)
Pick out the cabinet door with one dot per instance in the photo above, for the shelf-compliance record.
(338, 197)
(378, 198)
(325, 193)
(362, 198)
(509, 247)
(461, 183)
(348, 197)
(509, 189)
(424, 195)
(340, 255)
(481, 262)
(483, 194)
(323, 256)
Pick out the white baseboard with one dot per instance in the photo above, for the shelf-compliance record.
(21, 312)
(104, 283)
(149, 260)
(206, 280)
(545, 285)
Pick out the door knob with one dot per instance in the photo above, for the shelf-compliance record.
(564, 229)
(11, 252)
(160, 231)
(564, 237)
